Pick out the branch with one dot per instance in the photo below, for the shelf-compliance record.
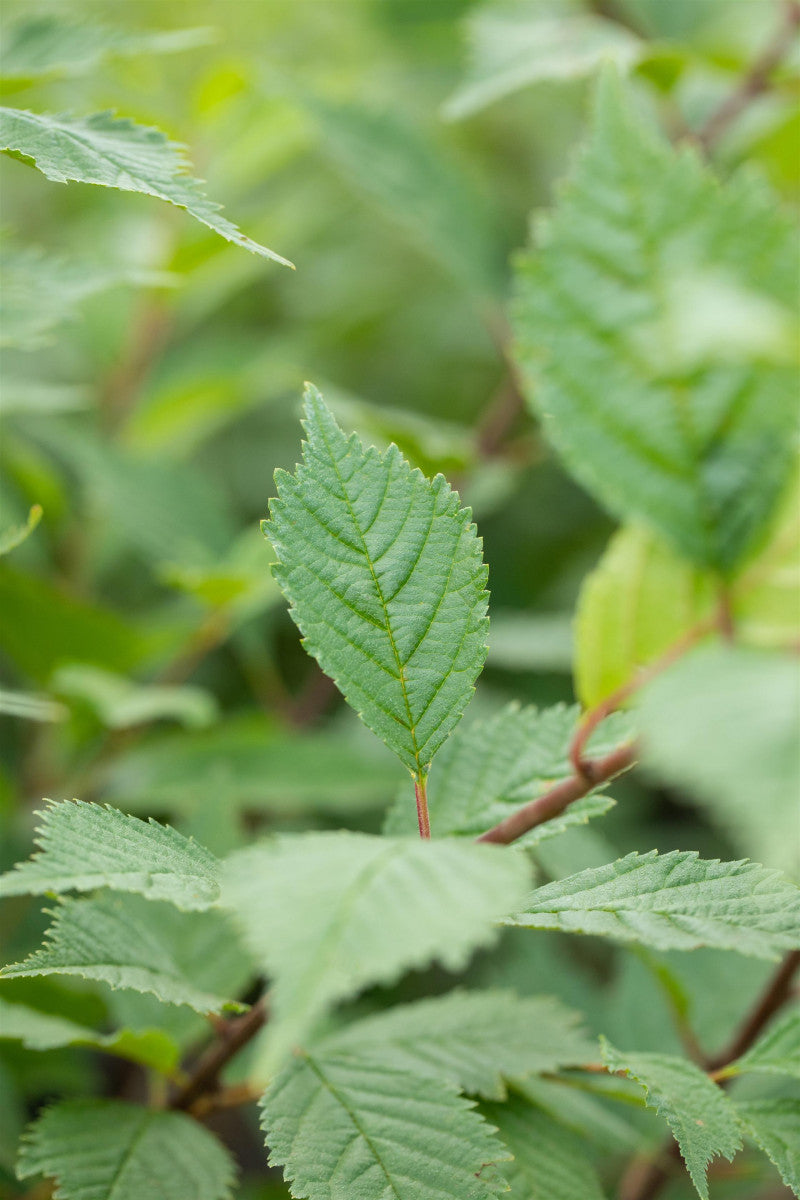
(755, 82)
(231, 1037)
(645, 1179)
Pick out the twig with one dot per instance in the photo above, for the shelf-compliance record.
(755, 82)
(204, 1079)
(644, 1179)
(552, 803)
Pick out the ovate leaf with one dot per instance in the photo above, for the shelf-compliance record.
(107, 1150)
(674, 901)
(550, 1160)
(697, 1111)
(490, 767)
(83, 846)
(777, 1051)
(473, 1040)
(774, 1125)
(327, 914)
(653, 330)
(386, 581)
(115, 152)
(45, 1031)
(343, 1128)
(125, 942)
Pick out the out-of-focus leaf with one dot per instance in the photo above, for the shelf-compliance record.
(765, 597)
(31, 707)
(115, 152)
(528, 642)
(674, 901)
(105, 1148)
(120, 703)
(774, 1125)
(127, 942)
(699, 449)
(697, 1111)
(512, 49)
(11, 538)
(239, 581)
(722, 723)
(22, 395)
(777, 1051)
(44, 1031)
(83, 846)
(327, 914)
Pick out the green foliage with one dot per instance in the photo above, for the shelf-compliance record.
(674, 901)
(778, 1051)
(370, 908)
(99, 1149)
(387, 584)
(694, 430)
(698, 1113)
(550, 1161)
(83, 847)
(773, 1125)
(11, 538)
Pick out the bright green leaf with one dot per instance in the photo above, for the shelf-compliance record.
(83, 846)
(697, 444)
(126, 942)
(774, 1125)
(327, 914)
(674, 901)
(386, 581)
(115, 152)
(11, 538)
(107, 1150)
(777, 1051)
(697, 1111)
(343, 1128)
(31, 707)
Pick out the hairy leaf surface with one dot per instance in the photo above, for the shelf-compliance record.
(674, 901)
(83, 846)
(115, 152)
(107, 1150)
(326, 914)
(386, 582)
(698, 1112)
(654, 331)
(550, 1160)
(341, 1128)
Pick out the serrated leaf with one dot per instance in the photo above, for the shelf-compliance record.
(45, 1031)
(473, 1040)
(777, 1051)
(107, 1150)
(749, 749)
(125, 942)
(774, 1125)
(386, 582)
(326, 914)
(115, 152)
(510, 50)
(341, 1128)
(83, 846)
(490, 767)
(697, 1111)
(674, 901)
(663, 413)
(550, 1162)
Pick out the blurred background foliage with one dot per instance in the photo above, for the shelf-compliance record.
(394, 151)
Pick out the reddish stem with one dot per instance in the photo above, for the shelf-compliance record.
(421, 795)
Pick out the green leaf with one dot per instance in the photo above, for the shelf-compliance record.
(510, 50)
(327, 914)
(121, 703)
(126, 942)
(524, 642)
(115, 152)
(550, 1162)
(777, 1051)
(107, 1150)
(774, 1125)
(697, 1111)
(44, 1031)
(748, 750)
(488, 768)
(342, 1128)
(386, 581)
(674, 901)
(765, 597)
(644, 324)
(83, 846)
(473, 1040)
(31, 707)
(11, 538)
